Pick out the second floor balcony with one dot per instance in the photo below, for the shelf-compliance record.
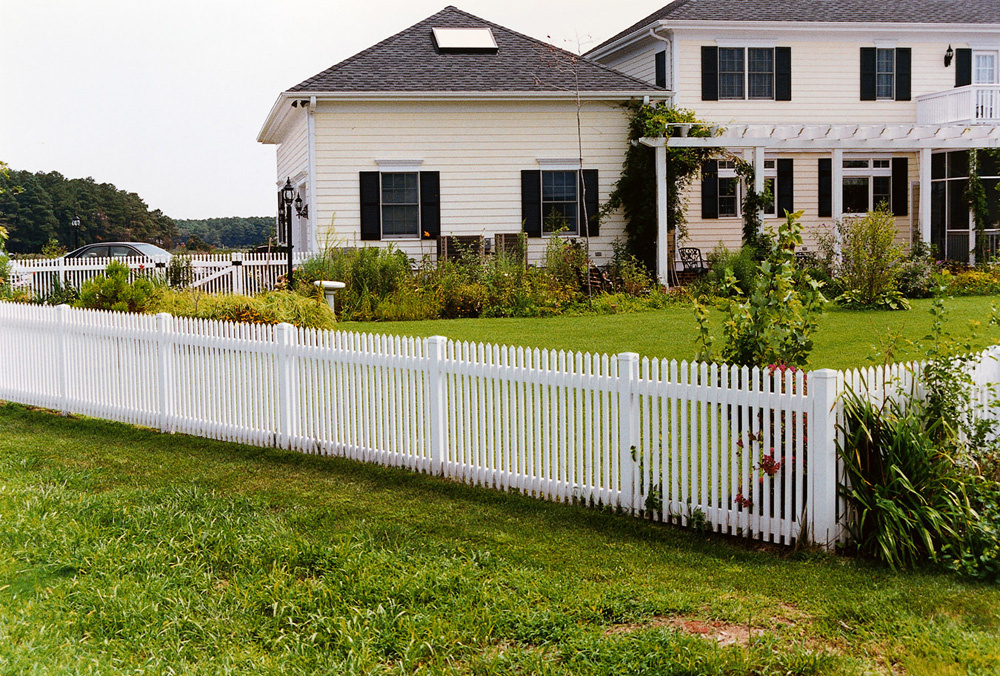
(972, 104)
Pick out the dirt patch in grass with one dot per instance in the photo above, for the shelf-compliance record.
(723, 633)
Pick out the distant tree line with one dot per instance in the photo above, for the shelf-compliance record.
(229, 233)
(46, 204)
(37, 208)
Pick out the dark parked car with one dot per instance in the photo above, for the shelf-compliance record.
(120, 250)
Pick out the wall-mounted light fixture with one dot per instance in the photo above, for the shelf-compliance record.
(301, 210)
(948, 56)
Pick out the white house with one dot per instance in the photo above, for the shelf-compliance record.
(455, 126)
(842, 104)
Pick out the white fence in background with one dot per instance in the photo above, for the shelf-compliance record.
(242, 273)
(736, 450)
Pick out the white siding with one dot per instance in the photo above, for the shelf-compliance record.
(293, 153)
(639, 60)
(479, 149)
(826, 84)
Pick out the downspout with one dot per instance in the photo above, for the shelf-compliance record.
(311, 145)
(669, 43)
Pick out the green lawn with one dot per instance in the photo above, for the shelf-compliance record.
(844, 339)
(123, 551)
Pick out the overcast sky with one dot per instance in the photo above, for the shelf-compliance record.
(165, 97)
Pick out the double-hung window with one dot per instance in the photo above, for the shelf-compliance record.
(400, 205)
(867, 184)
(560, 203)
(885, 74)
(746, 72)
(399, 202)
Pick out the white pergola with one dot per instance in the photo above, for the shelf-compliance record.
(833, 139)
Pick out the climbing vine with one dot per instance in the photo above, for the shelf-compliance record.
(753, 204)
(635, 191)
(975, 194)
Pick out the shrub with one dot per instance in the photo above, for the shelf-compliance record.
(916, 274)
(627, 273)
(975, 282)
(870, 261)
(742, 263)
(116, 292)
(773, 324)
(464, 301)
(566, 261)
(273, 307)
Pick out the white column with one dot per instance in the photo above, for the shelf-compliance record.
(758, 174)
(838, 184)
(925, 195)
(662, 218)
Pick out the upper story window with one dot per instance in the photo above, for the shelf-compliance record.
(746, 73)
(885, 73)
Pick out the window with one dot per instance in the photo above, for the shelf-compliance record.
(400, 205)
(560, 203)
(745, 70)
(885, 74)
(731, 189)
(867, 184)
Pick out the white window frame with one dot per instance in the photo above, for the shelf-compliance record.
(746, 72)
(892, 74)
(565, 167)
(382, 205)
(727, 170)
(877, 166)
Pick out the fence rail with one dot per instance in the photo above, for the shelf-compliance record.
(742, 451)
(242, 273)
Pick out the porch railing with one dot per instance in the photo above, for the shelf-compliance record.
(972, 104)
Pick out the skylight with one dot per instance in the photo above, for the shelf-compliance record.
(465, 39)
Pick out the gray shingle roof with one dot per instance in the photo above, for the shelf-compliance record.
(409, 62)
(849, 11)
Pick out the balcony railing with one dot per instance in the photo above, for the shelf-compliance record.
(972, 104)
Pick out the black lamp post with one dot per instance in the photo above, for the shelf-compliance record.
(287, 196)
(76, 231)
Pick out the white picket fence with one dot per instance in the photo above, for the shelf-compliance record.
(241, 273)
(735, 450)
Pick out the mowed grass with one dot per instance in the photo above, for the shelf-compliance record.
(845, 338)
(123, 551)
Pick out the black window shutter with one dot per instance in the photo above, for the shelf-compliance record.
(963, 67)
(591, 204)
(782, 73)
(825, 187)
(868, 69)
(661, 69)
(531, 202)
(903, 61)
(900, 186)
(371, 206)
(709, 73)
(710, 189)
(430, 204)
(785, 187)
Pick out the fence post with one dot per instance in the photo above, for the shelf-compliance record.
(165, 369)
(435, 348)
(62, 272)
(237, 273)
(628, 427)
(62, 321)
(823, 477)
(284, 336)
